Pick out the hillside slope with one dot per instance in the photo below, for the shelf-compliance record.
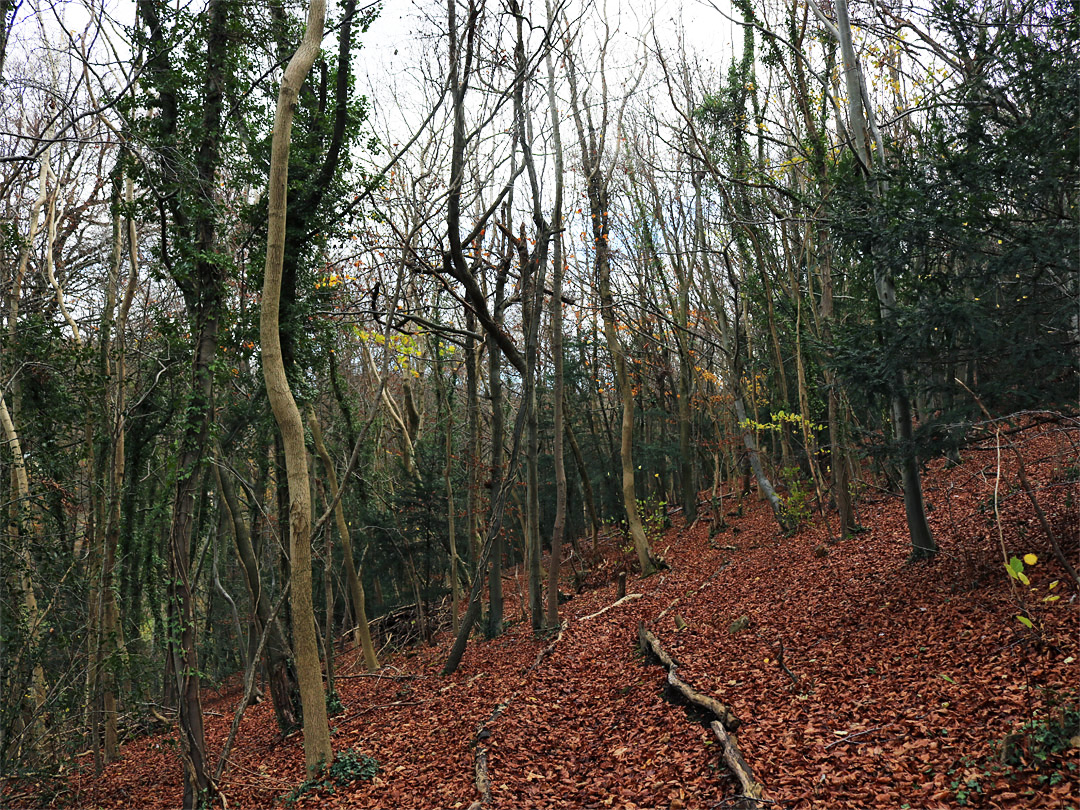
(899, 684)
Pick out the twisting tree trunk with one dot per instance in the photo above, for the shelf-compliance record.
(318, 751)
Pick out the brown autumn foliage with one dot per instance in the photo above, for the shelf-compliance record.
(902, 687)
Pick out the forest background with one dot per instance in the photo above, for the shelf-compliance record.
(564, 270)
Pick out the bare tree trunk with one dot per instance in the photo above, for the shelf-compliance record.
(729, 339)
(445, 419)
(923, 545)
(284, 691)
(533, 548)
(686, 371)
(764, 485)
(318, 751)
(495, 591)
(352, 578)
(591, 142)
(559, 528)
(472, 452)
(328, 604)
(838, 467)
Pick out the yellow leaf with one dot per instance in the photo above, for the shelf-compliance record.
(1031, 559)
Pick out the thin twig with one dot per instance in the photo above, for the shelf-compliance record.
(856, 734)
(1026, 485)
(783, 666)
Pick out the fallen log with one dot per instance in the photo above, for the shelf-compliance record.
(628, 598)
(483, 780)
(752, 791)
(650, 644)
(702, 701)
(723, 725)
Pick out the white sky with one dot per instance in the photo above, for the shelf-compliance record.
(388, 59)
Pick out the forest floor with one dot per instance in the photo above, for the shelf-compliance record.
(905, 681)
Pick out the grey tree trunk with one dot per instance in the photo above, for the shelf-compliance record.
(559, 528)
(318, 751)
(591, 142)
(923, 545)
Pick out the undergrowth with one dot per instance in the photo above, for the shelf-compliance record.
(348, 767)
(1042, 745)
(798, 503)
(1040, 742)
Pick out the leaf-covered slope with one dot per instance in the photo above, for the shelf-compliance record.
(909, 677)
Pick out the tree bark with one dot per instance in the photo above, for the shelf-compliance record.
(559, 528)
(495, 591)
(318, 751)
(592, 152)
(923, 545)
